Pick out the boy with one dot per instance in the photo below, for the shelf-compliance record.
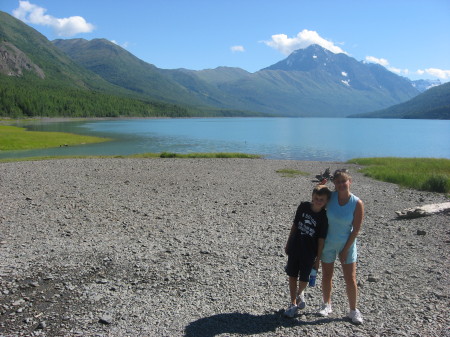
(305, 244)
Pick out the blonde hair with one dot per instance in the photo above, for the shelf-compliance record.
(342, 173)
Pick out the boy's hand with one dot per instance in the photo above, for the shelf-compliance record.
(316, 264)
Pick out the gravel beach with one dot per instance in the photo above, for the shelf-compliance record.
(195, 247)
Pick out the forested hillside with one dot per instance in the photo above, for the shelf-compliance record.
(432, 104)
(37, 79)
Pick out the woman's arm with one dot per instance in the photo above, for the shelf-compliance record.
(358, 216)
(320, 245)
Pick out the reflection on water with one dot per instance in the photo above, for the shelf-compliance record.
(317, 139)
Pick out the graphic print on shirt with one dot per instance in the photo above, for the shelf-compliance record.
(307, 226)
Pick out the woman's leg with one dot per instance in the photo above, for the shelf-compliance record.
(350, 283)
(327, 279)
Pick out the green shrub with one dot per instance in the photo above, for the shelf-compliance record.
(426, 174)
(437, 183)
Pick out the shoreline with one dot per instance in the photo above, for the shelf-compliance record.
(191, 247)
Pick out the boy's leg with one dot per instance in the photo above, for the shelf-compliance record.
(301, 287)
(300, 295)
(293, 289)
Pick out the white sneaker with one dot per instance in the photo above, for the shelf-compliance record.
(355, 316)
(325, 310)
(291, 311)
(301, 304)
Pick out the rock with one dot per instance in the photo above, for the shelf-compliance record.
(42, 325)
(106, 319)
(372, 278)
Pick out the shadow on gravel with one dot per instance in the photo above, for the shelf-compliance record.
(246, 324)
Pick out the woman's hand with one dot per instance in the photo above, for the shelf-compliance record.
(343, 256)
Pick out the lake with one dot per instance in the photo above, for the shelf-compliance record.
(316, 139)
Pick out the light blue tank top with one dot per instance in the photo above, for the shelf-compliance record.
(340, 218)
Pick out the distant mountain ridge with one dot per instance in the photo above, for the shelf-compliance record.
(431, 104)
(309, 82)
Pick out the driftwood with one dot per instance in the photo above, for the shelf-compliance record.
(424, 210)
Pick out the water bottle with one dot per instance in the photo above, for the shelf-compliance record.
(312, 277)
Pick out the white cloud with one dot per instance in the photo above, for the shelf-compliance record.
(374, 59)
(30, 13)
(123, 45)
(385, 63)
(344, 74)
(235, 49)
(304, 39)
(439, 73)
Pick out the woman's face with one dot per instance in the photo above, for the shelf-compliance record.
(342, 184)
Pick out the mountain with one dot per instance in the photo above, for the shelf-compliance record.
(119, 67)
(310, 82)
(317, 82)
(80, 77)
(431, 104)
(38, 79)
(423, 85)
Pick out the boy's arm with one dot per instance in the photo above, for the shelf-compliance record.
(320, 245)
(291, 235)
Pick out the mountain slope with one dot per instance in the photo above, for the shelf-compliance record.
(310, 82)
(121, 68)
(316, 82)
(37, 79)
(432, 104)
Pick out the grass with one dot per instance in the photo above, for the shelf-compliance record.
(16, 138)
(291, 173)
(424, 174)
(140, 155)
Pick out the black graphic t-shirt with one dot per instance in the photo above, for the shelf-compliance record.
(310, 227)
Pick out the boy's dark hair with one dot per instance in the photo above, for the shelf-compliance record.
(322, 190)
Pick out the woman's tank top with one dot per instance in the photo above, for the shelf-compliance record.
(340, 218)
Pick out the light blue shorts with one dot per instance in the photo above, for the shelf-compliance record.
(331, 251)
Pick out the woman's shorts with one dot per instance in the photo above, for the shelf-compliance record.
(331, 251)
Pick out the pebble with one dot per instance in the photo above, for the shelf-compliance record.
(194, 247)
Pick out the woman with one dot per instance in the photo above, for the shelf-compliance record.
(345, 213)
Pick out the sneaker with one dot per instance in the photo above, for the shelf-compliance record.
(355, 316)
(325, 310)
(301, 304)
(291, 311)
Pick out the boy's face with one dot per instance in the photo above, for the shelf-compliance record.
(319, 201)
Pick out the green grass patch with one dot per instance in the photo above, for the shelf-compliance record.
(140, 155)
(291, 173)
(16, 138)
(424, 174)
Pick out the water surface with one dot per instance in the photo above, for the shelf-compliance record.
(317, 139)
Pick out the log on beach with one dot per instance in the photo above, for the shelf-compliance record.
(424, 210)
(195, 247)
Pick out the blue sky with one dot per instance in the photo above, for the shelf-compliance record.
(409, 37)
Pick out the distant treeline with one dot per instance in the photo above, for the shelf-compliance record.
(26, 99)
